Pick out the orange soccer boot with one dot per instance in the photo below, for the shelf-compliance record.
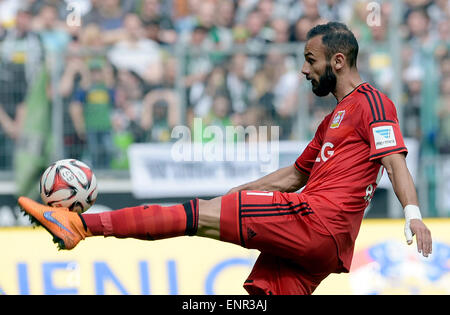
(66, 227)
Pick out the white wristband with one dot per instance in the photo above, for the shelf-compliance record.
(412, 212)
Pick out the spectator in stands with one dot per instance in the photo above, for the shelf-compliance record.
(218, 116)
(358, 22)
(421, 41)
(87, 43)
(160, 114)
(52, 31)
(159, 26)
(444, 64)
(187, 19)
(206, 14)
(238, 83)
(413, 78)
(107, 14)
(203, 93)
(276, 87)
(240, 33)
(266, 11)
(198, 63)
(150, 11)
(439, 10)
(379, 56)
(305, 8)
(443, 38)
(419, 35)
(285, 91)
(301, 28)
(62, 9)
(22, 56)
(137, 53)
(281, 31)
(418, 23)
(444, 110)
(91, 111)
(129, 105)
(257, 35)
(92, 42)
(444, 116)
(225, 13)
(170, 66)
(256, 116)
(336, 10)
(136, 42)
(222, 30)
(126, 117)
(207, 19)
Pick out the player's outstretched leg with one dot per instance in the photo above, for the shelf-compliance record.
(147, 222)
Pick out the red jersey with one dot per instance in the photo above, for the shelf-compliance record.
(343, 162)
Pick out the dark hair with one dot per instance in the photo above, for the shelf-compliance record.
(336, 38)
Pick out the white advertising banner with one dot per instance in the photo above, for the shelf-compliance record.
(160, 170)
(164, 170)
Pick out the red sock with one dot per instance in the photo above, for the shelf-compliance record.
(149, 222)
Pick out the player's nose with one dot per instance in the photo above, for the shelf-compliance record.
(305, 70)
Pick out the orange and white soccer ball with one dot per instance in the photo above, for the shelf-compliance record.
(69, 183)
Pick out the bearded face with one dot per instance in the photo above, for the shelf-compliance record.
(326, 83)
(317, 68)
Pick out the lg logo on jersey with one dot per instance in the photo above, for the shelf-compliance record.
(325, 152)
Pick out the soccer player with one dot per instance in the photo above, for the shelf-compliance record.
(302, 237)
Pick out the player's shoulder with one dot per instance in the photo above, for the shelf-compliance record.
(326, 120)
(367, 88)
(376, 103)
(323, 125)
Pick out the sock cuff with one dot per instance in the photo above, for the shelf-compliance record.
(191, 210)
(106, 220)
(82, 221)
(92, 223)
(98, 223)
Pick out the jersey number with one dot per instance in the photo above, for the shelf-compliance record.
(370, 190)
(369, 193)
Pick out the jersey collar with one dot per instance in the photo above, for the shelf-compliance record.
(354, 90)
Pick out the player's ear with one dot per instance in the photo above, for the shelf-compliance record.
(338, 61)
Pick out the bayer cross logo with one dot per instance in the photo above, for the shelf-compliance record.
(385, 133)
(337, 119)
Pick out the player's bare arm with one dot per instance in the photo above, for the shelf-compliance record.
(287, 179)
(405, 190)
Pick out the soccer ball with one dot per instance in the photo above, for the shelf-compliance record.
(69, 183)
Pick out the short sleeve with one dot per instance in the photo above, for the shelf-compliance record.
(381, 128)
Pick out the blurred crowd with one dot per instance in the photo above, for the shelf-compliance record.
(121, 79)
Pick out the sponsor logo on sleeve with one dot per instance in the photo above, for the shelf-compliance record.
(384, 137)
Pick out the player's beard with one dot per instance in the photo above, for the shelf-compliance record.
(326, 84)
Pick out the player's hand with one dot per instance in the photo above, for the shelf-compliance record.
(423, 236)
